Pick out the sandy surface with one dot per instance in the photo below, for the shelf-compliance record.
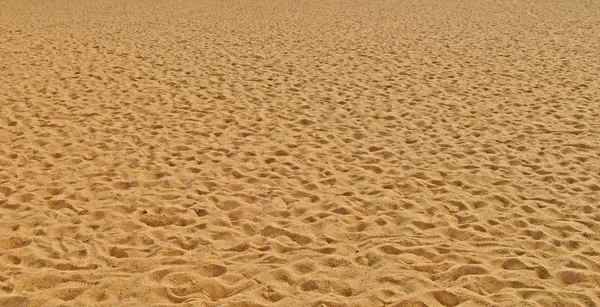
(299, 153)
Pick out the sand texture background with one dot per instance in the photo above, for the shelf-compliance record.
(300, 153)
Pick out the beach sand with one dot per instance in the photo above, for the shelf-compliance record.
(299, 153)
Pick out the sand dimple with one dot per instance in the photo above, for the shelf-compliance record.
(299, 153)
(5, 136)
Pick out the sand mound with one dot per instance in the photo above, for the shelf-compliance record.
(299, 153)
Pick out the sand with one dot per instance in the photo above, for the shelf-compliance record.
(299, 153)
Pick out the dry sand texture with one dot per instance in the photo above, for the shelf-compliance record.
(300, 153)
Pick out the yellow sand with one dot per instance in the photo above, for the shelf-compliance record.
(300, 153)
